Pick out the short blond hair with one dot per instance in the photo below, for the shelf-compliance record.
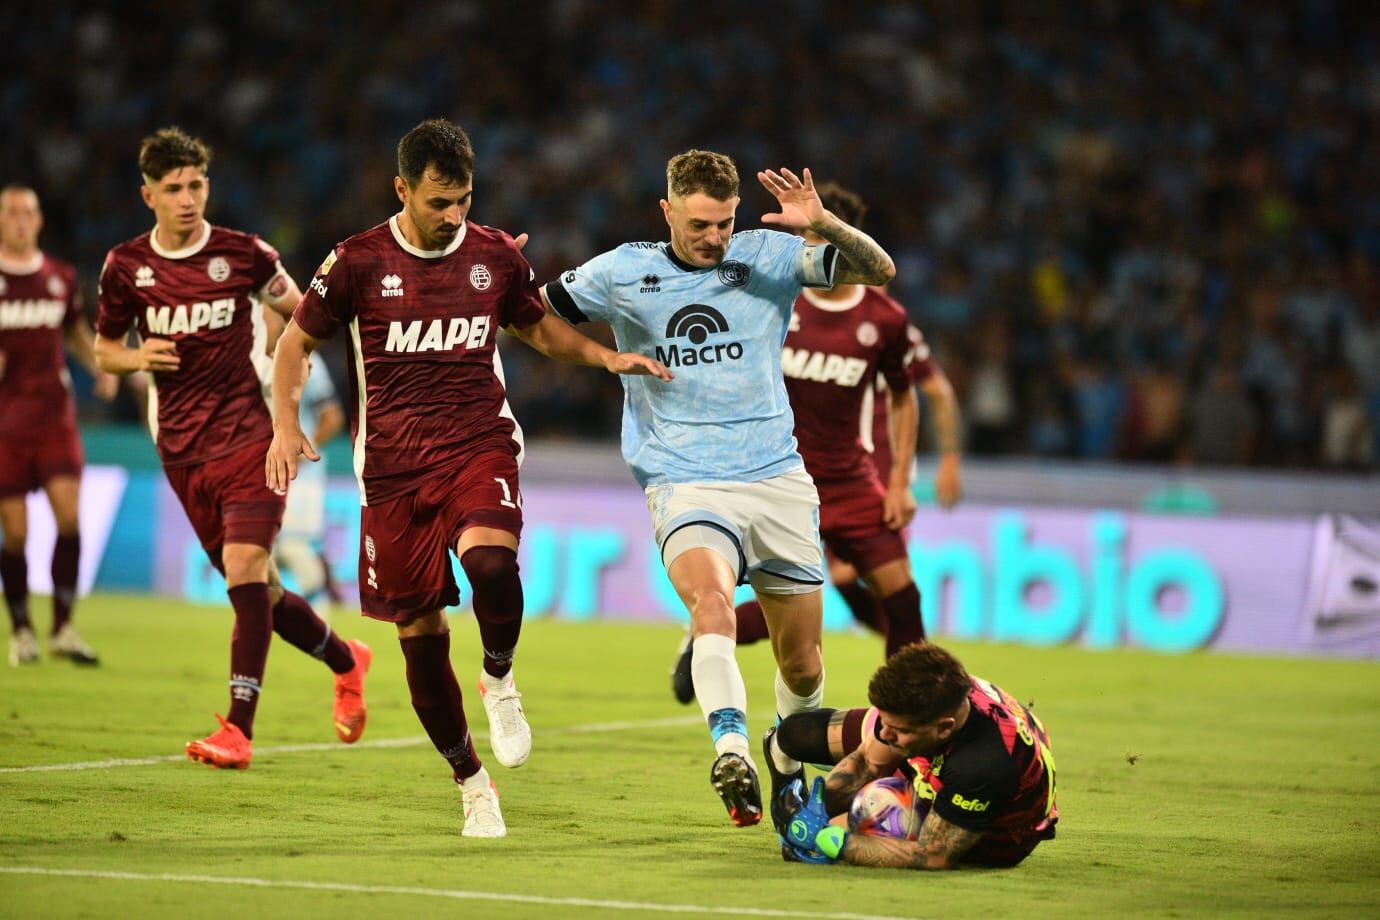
(701, 171)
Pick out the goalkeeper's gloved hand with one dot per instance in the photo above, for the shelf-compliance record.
(808, 831)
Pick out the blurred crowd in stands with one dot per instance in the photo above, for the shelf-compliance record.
(1138, 230)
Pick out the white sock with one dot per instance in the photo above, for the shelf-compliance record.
(721, 693)
(476, 783)
(787, 703)
(495, 683)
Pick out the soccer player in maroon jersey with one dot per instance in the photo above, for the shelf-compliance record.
(436, 447)
(979, 761)
(840, 342)
(193, 291)
(40, 310)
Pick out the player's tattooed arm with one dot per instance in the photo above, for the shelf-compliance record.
(843, 782)
(940, 846)
(863, 260)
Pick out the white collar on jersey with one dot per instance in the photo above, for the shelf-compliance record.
(835, 306)
(186, 251)
(25, 267)
(425, 253)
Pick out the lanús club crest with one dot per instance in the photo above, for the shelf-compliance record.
(480, 279)
(218, 269)
(867, 334)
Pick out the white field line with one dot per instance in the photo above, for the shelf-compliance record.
(587, 729)
(454, 894)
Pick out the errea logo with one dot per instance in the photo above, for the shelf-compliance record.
(392, 286)
(143, 277)
(651, 284)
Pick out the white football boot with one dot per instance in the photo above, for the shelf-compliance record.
(509, 734)
(23, 647)
(483, 817)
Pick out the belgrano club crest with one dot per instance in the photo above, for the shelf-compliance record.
(480, 279)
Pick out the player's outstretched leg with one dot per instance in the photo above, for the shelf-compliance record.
(493, 575)
(437, 701)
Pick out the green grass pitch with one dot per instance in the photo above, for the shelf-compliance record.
(1189, 786)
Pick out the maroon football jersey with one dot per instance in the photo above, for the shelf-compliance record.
(204, 298)
(833, 352)
(921, 366)
(37, 301)
(426, 379)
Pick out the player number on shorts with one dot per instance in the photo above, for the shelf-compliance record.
(507, 500)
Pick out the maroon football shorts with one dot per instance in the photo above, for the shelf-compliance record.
(27, 463)
(852, 526)
(405, 542)
(228, 501)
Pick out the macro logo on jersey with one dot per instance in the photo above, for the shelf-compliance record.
(392, 286)
(697, 323)
(439, 334)
(190, 318)
(480, 279)
(734, 273)
(31, 314)
(143, 277)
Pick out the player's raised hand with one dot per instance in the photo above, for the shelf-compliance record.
(520, 241)
(158, 355)
(800, 204)
(628, 362)
(280, 466)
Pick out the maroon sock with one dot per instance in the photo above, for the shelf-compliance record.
(296, 622)
(862, 603)
(66, 557)
(752, 623)
(248, 651)
(14, 572)
(903, 623)
(493, 575)
(436, 698)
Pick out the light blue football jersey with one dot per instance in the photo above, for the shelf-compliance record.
(720, 331)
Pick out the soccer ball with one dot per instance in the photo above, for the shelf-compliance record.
(886, 808)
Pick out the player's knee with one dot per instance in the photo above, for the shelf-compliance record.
(487, 565)
(801, 668)
(244, 564)
(712, 611)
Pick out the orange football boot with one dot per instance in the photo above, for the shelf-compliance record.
(227, 748)
(350, 711)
